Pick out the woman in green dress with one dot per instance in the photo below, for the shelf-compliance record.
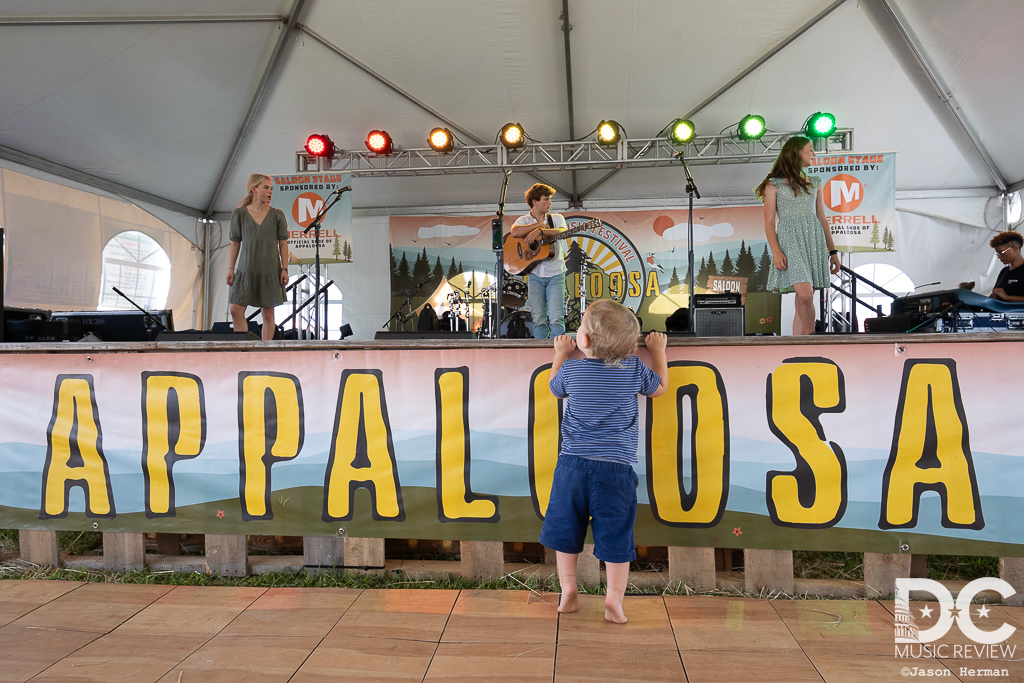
(803, 253)
(258, 259)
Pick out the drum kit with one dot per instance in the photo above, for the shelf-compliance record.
(513, 323)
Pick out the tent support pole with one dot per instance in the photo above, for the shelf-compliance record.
(254, 106)
(398, 91)
(574, 198)
(739, 77)
(942, 90)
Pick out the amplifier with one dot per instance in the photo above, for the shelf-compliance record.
(717, 300)
(899, 323)
(113, 326)
(718, 322)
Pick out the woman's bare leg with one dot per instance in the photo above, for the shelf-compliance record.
(268, 323)
(803, 321)
(238, 318)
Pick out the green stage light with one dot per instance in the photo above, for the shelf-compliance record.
(681, 131)
(752, 127)
(820, 125)
(608, 132)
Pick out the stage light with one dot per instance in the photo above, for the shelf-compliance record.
(320, 146)
(441, 140)
(820, 125)
(681, 131)
(608, 132)
(751, 127)
(512, 136)
(379, 142)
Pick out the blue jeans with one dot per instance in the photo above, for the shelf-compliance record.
(547, 305)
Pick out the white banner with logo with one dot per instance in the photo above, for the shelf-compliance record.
(302, 197)
(859, 191)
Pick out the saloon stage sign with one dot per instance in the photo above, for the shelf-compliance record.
(851, 447)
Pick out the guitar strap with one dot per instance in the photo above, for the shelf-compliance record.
(551, 222)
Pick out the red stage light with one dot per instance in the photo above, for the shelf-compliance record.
(379, 142)
(320, 146)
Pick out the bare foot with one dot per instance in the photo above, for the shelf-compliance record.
(568, 602)
(613, 612)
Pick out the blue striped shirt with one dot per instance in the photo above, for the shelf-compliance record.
(601, 417)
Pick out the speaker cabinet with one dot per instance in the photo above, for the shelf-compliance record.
(718, 322)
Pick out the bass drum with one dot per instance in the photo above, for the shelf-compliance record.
(517, 325)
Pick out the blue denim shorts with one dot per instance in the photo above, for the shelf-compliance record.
(583, 489)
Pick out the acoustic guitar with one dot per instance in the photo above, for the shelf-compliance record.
(521, 254)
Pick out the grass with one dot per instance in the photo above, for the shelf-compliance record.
(806, 564)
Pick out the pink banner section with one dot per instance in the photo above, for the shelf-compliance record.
(859, 446)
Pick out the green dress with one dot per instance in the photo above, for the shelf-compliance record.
(800, 237)
(258, 270)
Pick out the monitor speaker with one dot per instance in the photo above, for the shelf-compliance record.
(205, 335)
(718, 322)
(385, 335)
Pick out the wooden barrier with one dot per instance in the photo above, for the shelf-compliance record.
(693, 569)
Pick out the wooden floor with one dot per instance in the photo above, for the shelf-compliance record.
(69, 631)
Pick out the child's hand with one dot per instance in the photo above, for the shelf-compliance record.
(564, 345)
(656, 341)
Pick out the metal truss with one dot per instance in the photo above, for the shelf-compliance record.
(560, 156)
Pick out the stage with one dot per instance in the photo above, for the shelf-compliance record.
(74, 631)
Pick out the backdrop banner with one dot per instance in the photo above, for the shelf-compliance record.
(302, 196)
(639, 258)
(833, 447)
(859, 192)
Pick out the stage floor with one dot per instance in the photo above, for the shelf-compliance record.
(72, 631)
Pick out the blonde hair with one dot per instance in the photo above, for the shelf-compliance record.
(250, 185)
(613, 331)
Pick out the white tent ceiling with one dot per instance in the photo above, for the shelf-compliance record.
(137, 100)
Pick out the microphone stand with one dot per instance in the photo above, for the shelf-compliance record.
(149, 316)
(691, 190)
(497, 244)
(315, 226)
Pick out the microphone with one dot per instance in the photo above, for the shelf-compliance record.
(342, 190)
(679, 154)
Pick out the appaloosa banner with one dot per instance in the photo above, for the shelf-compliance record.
(856, 447)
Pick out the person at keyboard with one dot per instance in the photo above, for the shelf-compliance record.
(1010, 281)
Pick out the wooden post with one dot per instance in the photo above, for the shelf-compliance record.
(363, 555)
(693, 567)
(770, 570)
(483, 560)
(168, 544)
(1011, 570)
(918, 567)
(881, 571)
(323, 554)
(226, 554)
(124, 552)
(588, 567)
(39, 547)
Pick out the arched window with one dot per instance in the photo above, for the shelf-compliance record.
(135, 264)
